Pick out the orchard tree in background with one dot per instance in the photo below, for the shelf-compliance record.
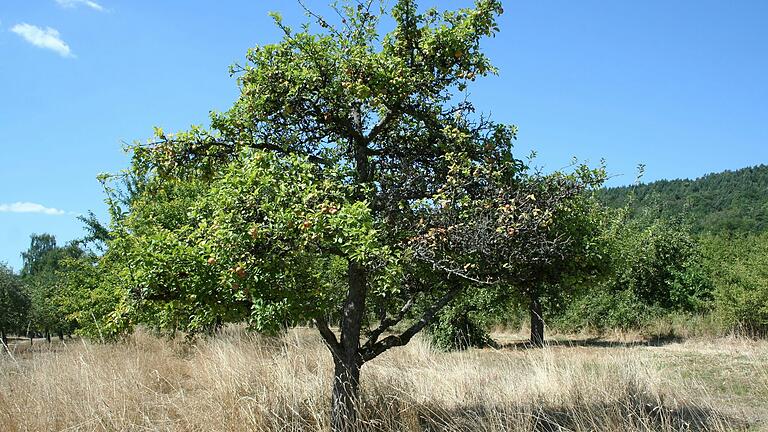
(548, 256)
(14, 304)
(42, 275)
(575, 265)
(36, 259)
(351, 183)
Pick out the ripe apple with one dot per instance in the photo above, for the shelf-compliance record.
(240, 272)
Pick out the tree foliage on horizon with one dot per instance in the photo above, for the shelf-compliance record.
(717, 203)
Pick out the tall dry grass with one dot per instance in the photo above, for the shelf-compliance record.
(242, 382)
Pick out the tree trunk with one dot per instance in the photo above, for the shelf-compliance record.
(346, 387)
(61, 335)
(48, 336)
(537, 322)
(4, 338)
(347, 360)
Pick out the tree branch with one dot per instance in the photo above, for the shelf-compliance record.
(399, 340)
(328, 336)
(381, 125)
(386, 323)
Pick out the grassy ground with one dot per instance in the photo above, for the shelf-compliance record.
(239, 382)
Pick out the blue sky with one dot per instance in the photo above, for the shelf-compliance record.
(677, 85)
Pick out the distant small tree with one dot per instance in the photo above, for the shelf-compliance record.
(14, 304)
(562, 257)
(41, 273)
(37, 259)
(575, 267)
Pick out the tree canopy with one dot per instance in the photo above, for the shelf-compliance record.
(14, 303)
(352, 183)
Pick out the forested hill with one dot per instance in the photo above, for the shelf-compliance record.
(730, 201)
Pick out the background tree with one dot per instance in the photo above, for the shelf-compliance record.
(576, 266)
(738, 265)
(14, 304)
(656, 268)
(36, 258)
(547, 258)
(41, 273)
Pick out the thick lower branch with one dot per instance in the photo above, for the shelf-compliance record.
(387, 322)
(328, 336)
(374, 350)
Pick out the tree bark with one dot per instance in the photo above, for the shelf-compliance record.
(537, 322)
(346, 389)
(347, 358)
(48, 336)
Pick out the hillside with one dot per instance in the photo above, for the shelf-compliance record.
(729, 201)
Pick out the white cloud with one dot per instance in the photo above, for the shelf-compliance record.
(47, 38)
(28, 207)
(75, 3)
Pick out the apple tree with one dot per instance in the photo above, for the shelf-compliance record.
(352, 184)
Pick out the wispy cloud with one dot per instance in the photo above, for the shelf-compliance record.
(28, 207)
(47, 38)
(75, 3)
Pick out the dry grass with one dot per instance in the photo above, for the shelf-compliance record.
(240, 382)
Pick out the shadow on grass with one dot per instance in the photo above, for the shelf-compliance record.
(596, 342)
(22, 348)
(629, 416)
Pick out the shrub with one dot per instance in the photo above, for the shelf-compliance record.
(739, 269)
(458, 329)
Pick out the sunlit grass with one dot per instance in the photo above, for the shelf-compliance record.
(239, 382)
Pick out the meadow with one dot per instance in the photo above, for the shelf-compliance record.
(239, 381)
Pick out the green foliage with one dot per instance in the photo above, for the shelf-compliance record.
(661, 265)
(42, 275)
(656, 267)
(89, 296)
(464, 323)
(730, 201)
(37, 258)
(261, 243)
(604, 308)
(719, 271)
(459, 329)
(14, 302)
(739, 268)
